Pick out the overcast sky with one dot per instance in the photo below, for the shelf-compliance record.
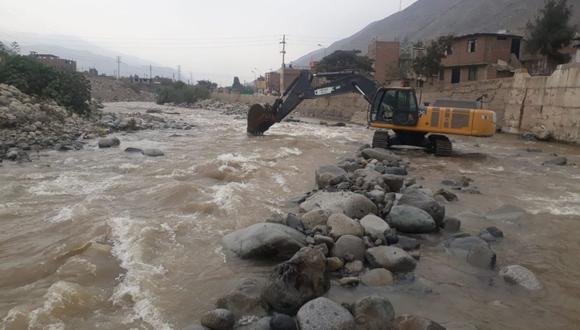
(214, 39)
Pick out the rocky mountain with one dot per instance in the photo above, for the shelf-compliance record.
(428, 19)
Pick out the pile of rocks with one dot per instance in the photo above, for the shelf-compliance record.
(233, 109)
(364, 225)
(27, 124)
(140, 121)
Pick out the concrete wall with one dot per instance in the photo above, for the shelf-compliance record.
(550, 103)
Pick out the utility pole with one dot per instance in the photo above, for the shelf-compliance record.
(118, 67)
(283, 52)
(179, 73)
(191, 78)
(400, 5)
(150, 74)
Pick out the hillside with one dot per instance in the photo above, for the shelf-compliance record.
(428, 19)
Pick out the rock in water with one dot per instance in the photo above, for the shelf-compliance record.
(373, 313)
(296, 281)
(109, 142)
(412, 220)
(245, 299)
(420, 199)
(519, 275)
(482, 257)
(377, 277)
(374, 226)
(351, 204)
(412, 322)
(282, 322)
(380, 155)
(558, 161)
(265, 240)
(329, 175)
(134, 150)
(153, 152)
(324, 314)
(218, 319)
(341, 225)
(465, 243)
(451, 225)
(392, 258)
(349, 247)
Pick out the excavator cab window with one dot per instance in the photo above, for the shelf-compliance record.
(396, 106)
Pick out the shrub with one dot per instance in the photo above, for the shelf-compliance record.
(182, 93)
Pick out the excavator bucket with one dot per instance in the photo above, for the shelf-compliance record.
(260, 119)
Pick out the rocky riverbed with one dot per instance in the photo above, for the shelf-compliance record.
(104, 238)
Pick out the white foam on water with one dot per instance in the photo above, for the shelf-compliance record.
(281, 181)
(285, 151)
(71, 184)
(228, 195)
(127, 250)
(568, 204)
(129, 166)
(65, 214)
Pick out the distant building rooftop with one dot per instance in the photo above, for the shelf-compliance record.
(486, 34)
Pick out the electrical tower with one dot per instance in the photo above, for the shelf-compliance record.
(283, 52)
(150, 74)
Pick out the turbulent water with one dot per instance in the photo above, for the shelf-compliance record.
(102, 239)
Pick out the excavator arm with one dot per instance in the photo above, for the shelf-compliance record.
(261, 118)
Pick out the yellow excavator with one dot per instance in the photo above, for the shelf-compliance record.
(390, 109)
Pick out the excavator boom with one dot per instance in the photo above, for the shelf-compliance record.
(261, 118)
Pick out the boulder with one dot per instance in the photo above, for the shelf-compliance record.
(557, 161)
(380, 155)
(419, 199)
(491, 234)
(324, 314)
(294, 222)
(265, 240)
(260, 324)
(447, 195)
(334, 264)
(341, 225)
(351, 204)
(412, 220)
(394, 182)
(374, 226)
(465, 243)
(482, 257)
(133, 150)
(519, 275)
(218, 319)
(451, 225)
(282, 322)
(396, 171)
(109, 142)
(373, 313)
(348, 246)
(377, 277)
(315, 218)
(321, 239)
(245, 300)
(354, 267)
(408, 243)
(412, 322)
(329, 175)
(392, 258)
(296, 281)
(153, 152)
(367, 179)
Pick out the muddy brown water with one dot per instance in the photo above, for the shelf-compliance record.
(102, 239)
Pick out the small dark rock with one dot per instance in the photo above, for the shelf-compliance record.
(133, 150)
(282, 322)
(109, 142)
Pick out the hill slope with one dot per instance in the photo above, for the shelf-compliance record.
(428, 19)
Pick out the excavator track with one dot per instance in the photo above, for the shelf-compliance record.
(381, 139)
(441, 145)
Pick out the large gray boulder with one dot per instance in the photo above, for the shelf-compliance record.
(218, 319)
(329, 175)
(374, 226)
(420, 199)
(341, 225)
(519, 275)
(265, 240)
(373, 313)
(466, 243)
(367, 179)
(109, 142)
(351, 204)
(349, 246)
(412, 220)
(296, 281)
(245, 300)
(394, 182)
(392, 258)
(324, 314)
(377, 277)
(380, 155)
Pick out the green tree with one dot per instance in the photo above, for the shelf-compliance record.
(429, 64)
(15, 47)
(551, 31)
(210, 85)
(342, 60)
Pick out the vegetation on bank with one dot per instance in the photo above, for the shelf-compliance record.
(342, 60)
(179, 93)
(68, 89)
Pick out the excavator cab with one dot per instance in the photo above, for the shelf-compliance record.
(395, 106)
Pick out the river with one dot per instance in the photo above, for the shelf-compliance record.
(103, 239)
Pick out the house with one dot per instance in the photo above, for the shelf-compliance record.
(385, 56)
(273, 82)
(481, 56)
(55, 61)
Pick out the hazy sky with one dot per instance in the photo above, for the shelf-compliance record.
(214, 39)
